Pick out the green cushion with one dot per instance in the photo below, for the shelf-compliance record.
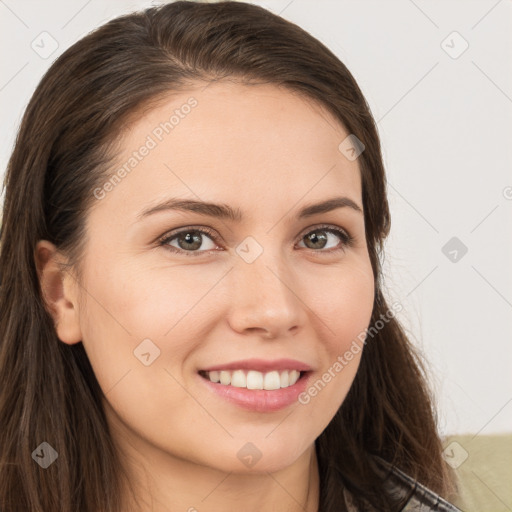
(483, 465)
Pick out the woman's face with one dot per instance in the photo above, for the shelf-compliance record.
(266, 291)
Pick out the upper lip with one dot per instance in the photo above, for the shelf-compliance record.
(261, 365)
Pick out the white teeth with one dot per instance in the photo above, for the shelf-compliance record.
(272, 381)
(294, 377)
(225, 378)
(238, 379)
(214, 376)
(255, 380)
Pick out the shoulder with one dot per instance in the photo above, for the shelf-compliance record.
(415, 496)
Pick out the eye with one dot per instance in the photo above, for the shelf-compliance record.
(188, 241)
(318, 238)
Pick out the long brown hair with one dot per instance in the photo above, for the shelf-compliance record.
(66, 140)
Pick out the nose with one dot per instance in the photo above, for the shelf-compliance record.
(265, 298)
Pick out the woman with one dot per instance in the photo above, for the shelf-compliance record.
(191, 305)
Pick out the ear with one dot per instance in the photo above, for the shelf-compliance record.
(59, 290)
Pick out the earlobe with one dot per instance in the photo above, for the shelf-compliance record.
(58, 290)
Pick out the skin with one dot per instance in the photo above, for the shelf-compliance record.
(268, 152)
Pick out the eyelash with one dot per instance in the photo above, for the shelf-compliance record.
(347, 239)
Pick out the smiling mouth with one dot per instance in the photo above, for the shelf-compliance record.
(252, 379)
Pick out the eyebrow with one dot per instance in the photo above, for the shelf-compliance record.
(224, 211)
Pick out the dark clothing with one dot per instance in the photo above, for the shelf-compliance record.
(414, 496)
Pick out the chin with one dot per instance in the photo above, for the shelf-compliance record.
(261, 456)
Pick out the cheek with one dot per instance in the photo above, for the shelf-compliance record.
(122, 310)
(354, 312)
(139, 303)
(122, 324)
(129, 305)
(159, 299)
(344, 312)
(343, 303)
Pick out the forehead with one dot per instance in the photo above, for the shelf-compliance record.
(230, 140)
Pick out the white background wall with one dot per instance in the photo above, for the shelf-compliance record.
(446, 130)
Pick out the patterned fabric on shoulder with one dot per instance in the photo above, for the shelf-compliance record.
(414, 496)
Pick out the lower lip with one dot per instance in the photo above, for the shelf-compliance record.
(260, 400)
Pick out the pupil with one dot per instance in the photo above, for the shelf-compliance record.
(315, 239)
(189, 239)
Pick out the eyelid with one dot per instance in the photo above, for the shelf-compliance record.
(174, 232)
(347, 240)
(326, 227)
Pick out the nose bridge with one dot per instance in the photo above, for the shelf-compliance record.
(263, 295)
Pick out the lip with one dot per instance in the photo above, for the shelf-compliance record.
(258, 400)
(261, 365)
